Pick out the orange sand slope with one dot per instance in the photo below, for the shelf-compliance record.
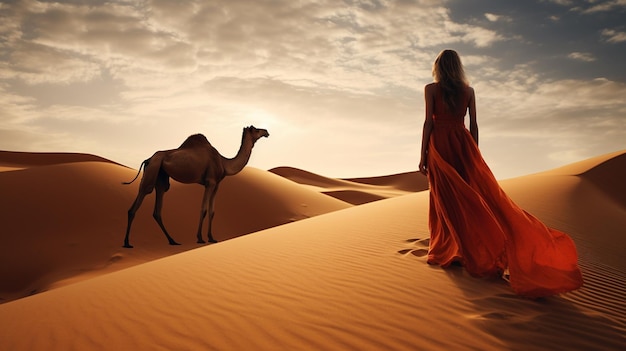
(64, 215)
(19, 160)
(357, 191)
(354, 279)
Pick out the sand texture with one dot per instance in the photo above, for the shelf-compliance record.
(322, 267)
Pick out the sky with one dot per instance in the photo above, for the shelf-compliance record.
(338, 84)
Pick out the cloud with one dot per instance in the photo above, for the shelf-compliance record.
(582, 56)
(35, 64)
(107, 34)
(555, 122)
(561, 2)
(613, 36)
(605, 6)
(496, 18)
(227, 38)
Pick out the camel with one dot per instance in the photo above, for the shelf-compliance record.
(195, 161)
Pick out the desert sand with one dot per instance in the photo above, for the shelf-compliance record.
(304, 262)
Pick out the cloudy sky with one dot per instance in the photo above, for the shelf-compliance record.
(338, 84)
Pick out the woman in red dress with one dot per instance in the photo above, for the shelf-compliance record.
(472, 221)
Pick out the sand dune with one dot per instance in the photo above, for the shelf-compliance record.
(606, 179)
(349, 279)
(13, 160)
(357, 191)
(64, 216)
(408, 181)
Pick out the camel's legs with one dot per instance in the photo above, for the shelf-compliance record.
(161, 186)
(209, 190)
(131, 215)
(212, 214)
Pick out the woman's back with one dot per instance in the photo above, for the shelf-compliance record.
(443, 112)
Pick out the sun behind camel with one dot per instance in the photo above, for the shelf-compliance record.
(195, 161)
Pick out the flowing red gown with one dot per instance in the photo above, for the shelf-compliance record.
(473, 222)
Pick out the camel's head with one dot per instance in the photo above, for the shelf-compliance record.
(256, 133)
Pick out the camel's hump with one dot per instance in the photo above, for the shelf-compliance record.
(194, 141)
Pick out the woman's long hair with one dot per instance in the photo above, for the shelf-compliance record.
(448, 72)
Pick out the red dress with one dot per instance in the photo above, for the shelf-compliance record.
(472, 221)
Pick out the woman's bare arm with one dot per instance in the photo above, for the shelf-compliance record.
(472, 116)
(429, 98)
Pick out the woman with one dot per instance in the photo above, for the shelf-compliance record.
(472, 221)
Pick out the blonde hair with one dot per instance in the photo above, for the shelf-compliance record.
(449, 73)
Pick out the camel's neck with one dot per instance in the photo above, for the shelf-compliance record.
(234, 165)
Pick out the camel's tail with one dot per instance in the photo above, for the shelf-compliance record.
(143, 164)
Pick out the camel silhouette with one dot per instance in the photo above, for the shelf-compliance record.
(195, 161)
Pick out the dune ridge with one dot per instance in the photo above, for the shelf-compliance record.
(21, 160)
(357, 191)
(609, 178)
(407, 181)
(351, 278)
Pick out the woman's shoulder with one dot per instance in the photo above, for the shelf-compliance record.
(430, 87)
(468, 90)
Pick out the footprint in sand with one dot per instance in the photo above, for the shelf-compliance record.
(419, 252)
(422, 242)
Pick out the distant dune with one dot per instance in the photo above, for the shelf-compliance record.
(408, 181)
(357, 191)
(329, 264)
(10, 160)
